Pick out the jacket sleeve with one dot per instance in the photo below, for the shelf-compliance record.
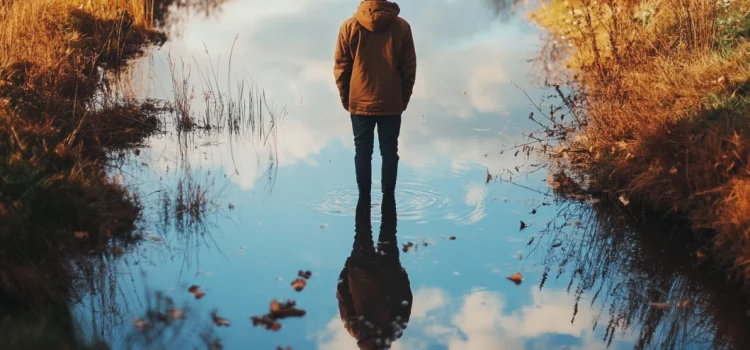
(342, 69)
(408, 66)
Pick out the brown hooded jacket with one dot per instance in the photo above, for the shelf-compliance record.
(375, 60)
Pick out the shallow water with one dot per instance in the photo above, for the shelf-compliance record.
(283, 203)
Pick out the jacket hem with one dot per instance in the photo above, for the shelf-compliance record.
(374, 114)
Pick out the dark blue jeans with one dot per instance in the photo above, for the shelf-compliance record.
(363, 128)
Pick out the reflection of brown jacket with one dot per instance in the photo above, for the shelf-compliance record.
(376, 63)
(373, 301)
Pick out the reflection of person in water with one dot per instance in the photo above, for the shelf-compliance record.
(374, 292)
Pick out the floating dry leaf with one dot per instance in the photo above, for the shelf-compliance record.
(299, 284)
(175, 313)
(489, 177)
(406, 246)
(304, 274)
(278, 310)
(140, 324)
(285, 309)
(660, 306)
(624, 201)
(196, 291)
(523, 225)
(452, 238)
(81, 234)
(673, 171)
(516, 278)
(220, 321)
(267, 322)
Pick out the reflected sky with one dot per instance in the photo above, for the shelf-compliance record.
(465, 112)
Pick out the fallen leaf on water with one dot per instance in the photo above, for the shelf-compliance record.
(278, 310)
(304, 274)
(267, 322)
(299, 284)
(196, 291)
(81, 234)
(406, 246)
(523, 225)
(516, 278)
(220, 321)
(624, 201)
(673, 171)
(140, 324)
(489, 177)
(660, 306)
(558, 244)
(452, 238)
(285, 309)
(175, 313)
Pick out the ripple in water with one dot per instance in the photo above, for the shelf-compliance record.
(416, 202)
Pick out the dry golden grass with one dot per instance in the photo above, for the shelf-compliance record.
(54, 133)
(664, 102)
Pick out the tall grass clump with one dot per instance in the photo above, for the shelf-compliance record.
(56, 130)
(658, 97)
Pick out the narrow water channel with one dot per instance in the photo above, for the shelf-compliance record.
(239, 213)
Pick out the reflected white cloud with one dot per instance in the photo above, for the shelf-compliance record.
(287, 46)
(482, 320)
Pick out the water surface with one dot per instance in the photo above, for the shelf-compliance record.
(285, 201)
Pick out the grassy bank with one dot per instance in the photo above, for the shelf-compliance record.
(56, 129)
(658, 116)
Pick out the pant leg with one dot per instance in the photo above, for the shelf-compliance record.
(389, 128)
(363, 128)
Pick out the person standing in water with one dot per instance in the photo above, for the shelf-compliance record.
(375, 70)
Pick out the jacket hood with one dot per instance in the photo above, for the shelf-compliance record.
(377, 15)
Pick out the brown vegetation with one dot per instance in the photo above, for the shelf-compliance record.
(658, 109)
(57, 124)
